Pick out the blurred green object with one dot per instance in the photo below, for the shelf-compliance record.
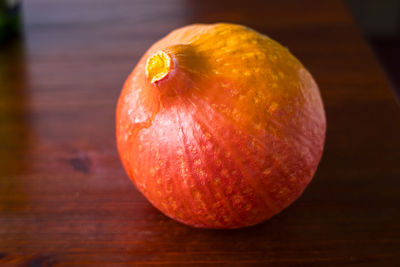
(10, 19)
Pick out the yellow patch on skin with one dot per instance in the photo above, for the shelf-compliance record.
(202, 173)
(267, 172)
(197, 195)
(211, 216)
(284, 191)
(229, 189)
(169, 189)
(237, 199)
(259, 126)
(225, 173)
(226, 219)
(273, 107)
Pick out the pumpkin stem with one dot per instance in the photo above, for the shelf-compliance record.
(170, 69)
(158, 66)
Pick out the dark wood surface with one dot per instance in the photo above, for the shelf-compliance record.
(66, 201)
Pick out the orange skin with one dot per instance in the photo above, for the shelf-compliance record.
(219, 126)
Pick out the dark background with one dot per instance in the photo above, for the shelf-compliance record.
(380, 24)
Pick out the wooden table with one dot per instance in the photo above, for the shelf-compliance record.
(65, 199)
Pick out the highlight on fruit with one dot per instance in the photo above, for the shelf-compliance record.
(220, 126)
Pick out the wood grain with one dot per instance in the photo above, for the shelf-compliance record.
(64, 197)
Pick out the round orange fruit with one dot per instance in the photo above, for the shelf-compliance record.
(220, 126)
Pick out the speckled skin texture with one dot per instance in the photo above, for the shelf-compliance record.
(230, 137)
